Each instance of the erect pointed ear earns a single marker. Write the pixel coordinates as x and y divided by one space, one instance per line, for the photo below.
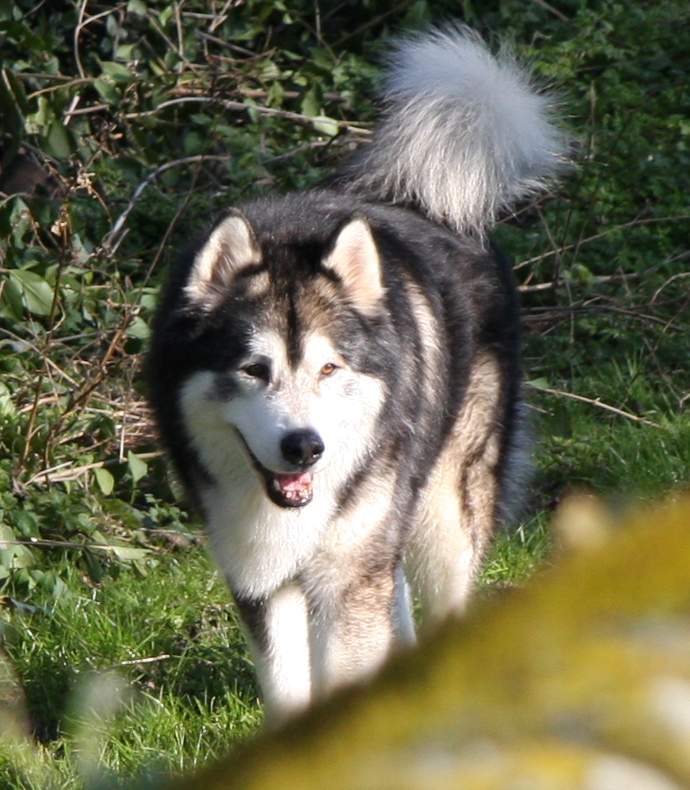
230 247
355 259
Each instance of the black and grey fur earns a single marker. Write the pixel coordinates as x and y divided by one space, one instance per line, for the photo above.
337 378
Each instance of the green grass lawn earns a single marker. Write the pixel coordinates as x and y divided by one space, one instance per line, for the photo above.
90 700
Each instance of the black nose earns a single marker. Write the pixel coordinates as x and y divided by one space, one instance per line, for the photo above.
302 448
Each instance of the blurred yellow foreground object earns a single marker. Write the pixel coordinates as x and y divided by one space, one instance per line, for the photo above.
579 680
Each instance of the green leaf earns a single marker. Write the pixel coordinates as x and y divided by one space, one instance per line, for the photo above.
310 103
107 90
12 300
268 70
136 7
579 273
125 52
17 556
105 480
137 467
39 121
6 533
7 405
326 125
130 552
98 537
36 293
322 58
275 95
165 15
116 71
193 143
20 221
139 329
141 567
58 141
25 522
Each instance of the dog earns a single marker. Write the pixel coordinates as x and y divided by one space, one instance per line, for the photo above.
335 373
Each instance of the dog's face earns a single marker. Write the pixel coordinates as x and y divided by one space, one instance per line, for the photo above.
291 389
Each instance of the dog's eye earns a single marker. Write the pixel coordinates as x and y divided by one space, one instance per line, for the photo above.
257 370
328 369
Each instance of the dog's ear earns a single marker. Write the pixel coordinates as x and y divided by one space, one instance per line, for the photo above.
230 247
353 257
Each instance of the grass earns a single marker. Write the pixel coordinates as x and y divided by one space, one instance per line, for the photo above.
146 673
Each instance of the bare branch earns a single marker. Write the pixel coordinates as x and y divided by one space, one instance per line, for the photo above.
598 403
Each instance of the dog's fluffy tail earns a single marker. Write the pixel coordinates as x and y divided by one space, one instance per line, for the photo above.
464 133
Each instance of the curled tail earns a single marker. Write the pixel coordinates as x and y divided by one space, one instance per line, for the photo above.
464 133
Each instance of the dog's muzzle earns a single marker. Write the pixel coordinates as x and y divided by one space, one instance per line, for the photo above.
291 489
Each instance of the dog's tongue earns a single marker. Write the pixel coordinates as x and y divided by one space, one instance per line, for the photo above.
294 490
298 483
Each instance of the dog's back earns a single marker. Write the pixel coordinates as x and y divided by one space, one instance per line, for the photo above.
336 372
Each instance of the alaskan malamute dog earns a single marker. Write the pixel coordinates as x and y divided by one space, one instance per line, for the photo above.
336 373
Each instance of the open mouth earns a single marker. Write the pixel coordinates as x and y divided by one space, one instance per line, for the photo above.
289 490
285 489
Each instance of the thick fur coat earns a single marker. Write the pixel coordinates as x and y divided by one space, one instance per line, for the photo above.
335 373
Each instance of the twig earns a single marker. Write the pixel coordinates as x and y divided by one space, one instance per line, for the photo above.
77 32
111 240
597 402
180 37
671 279
171 225
75 472
150 660
597 279
193 67
566 247
59 86
221 16
81 24
72 111
313 145
32 347
371 23
556 275
234 47
572 309
63 225
238 106
89 387
558 14
42 543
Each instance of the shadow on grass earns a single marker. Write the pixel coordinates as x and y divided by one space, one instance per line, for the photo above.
193 653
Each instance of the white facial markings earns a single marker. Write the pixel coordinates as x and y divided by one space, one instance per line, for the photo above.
218 446
321 393
269 346
318 353
258 544
310 396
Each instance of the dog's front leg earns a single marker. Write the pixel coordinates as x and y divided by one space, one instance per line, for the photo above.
279 641
354 626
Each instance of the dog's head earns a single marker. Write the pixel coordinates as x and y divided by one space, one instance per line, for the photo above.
289 326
